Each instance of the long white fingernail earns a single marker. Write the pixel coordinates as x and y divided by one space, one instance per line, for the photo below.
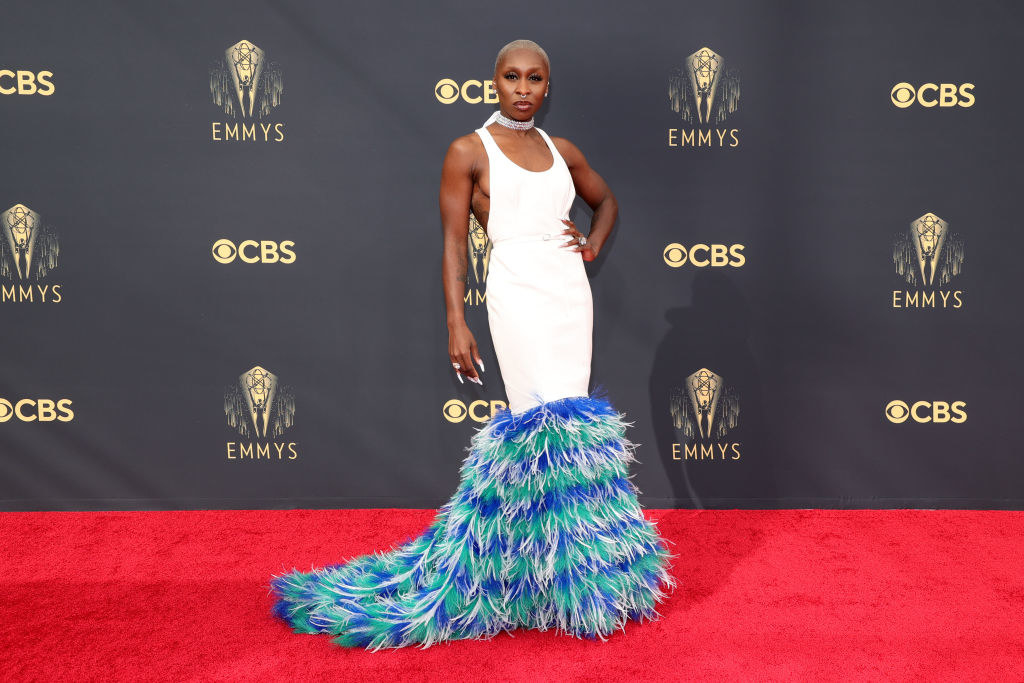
459 375
481 364
477 380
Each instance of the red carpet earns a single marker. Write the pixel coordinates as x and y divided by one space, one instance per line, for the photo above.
790 594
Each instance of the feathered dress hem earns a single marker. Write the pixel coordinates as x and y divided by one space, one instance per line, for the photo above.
543 532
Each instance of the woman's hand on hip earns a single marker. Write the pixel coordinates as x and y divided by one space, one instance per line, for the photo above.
578 242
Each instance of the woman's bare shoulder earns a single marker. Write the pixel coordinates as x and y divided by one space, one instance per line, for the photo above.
570 152
469 145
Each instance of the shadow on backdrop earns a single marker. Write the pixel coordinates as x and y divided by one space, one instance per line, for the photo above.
707 401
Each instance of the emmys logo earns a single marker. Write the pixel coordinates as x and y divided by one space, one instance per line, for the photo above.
923 412
28 252
246 86
704 409
448 91
704 93
23 82
703 255
251 251
928 256
456 410
36 410
930 95
479 246
260 409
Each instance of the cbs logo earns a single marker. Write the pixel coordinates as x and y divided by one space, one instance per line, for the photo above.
251 251
457 411
448 91
939 412
929 95
702 255
42 409
25 82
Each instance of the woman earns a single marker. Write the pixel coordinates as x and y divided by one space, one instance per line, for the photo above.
544 530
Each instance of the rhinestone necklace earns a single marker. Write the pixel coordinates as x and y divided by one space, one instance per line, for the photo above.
512 123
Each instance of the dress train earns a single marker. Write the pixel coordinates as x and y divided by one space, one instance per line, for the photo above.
544 531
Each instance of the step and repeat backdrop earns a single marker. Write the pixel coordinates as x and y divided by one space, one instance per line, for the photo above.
220 260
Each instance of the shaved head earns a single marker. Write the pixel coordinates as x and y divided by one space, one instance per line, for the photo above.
522 44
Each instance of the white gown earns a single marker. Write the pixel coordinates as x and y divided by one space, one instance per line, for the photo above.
539 303
544 530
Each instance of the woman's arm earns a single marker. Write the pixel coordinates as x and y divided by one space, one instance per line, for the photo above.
595 192
456 193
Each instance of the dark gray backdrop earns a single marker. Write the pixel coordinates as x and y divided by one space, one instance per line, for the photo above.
120 164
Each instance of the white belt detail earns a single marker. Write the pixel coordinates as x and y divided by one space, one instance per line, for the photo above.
533 238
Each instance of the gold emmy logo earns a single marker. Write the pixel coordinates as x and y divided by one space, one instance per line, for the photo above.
29 250
928 256
257 406
245 85
703 92
705 407
479 247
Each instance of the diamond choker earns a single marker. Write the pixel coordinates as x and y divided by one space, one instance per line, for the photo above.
512 123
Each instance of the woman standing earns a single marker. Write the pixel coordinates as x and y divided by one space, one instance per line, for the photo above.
544 530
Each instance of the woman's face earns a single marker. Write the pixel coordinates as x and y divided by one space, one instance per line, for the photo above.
521 81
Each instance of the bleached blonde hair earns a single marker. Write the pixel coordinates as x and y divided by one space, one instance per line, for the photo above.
518 44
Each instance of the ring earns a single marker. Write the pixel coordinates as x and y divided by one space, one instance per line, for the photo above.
583 241
456 366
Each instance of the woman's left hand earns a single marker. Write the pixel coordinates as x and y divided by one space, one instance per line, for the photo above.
589 250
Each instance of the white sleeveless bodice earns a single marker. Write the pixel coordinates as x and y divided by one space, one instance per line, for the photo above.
527 203
539 304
